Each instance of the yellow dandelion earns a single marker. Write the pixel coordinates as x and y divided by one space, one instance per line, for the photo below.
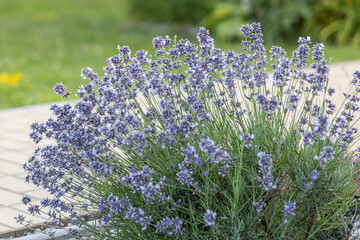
15 78
4 78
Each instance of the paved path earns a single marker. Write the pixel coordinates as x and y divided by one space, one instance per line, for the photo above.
16 147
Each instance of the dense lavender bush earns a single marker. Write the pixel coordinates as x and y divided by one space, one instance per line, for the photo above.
200 143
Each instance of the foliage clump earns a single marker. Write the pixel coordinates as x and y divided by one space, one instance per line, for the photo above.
200 143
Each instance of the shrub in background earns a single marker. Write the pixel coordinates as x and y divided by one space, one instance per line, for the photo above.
186 11
336 21
200 143
281 19
333 21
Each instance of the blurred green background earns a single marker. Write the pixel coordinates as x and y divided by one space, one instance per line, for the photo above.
43 42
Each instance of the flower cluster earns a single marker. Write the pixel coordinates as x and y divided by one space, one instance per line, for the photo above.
313 176
289 208
209 217
247 139
157 140
266 179
170 226
325 156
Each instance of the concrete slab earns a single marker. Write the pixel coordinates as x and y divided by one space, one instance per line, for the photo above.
9 168
9 198
16 157
13 184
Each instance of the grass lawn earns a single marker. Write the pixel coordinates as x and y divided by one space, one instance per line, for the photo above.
46 42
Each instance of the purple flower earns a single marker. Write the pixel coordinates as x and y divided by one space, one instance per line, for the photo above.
307 139
314 175
59 89
205 174
259 206
251 31
20 218
185 175
266 180
320 125
268 105
293 100
34 209
169 226
331 91
209 217
326 155
302 52
247 138
135 214
308 185
124 51
206 42
26 199
289 208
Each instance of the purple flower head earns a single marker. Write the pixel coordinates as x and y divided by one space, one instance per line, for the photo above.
308 138
277 53
320 125
209 147
356 80
124 51
135 214
26 200
318 52
190 152
326 155
293 100
137 179
289 208
60 89
314 175
259 206
247 138
206 42
308 185
150 191
20 218
169 225
268 105
302 52
34 209
251 31
331 91
205 174
267 180
185 176
146 222
159 42
209 217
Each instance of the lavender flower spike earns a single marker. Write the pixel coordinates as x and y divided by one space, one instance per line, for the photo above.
209 217
326 155
289 208
247 138
267 180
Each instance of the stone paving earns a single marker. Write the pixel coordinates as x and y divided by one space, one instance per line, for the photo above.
16 147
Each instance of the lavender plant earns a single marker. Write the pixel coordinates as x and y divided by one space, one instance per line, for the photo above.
199 143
